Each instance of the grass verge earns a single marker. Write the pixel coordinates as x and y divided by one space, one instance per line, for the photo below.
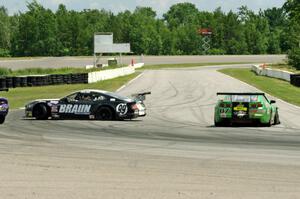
276 87
285 67
188 65
18 97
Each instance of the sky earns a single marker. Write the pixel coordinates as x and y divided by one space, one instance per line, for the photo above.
160 6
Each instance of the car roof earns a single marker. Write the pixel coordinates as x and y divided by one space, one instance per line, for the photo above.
111 94
93 91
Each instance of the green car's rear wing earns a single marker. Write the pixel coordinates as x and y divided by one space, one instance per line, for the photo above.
241 94
245 94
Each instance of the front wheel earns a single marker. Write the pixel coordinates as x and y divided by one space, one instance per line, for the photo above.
104 113
2 119
40 112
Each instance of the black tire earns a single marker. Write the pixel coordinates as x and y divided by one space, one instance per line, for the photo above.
40 112
2 119
276 119
104 113
218 124
269 124
222 124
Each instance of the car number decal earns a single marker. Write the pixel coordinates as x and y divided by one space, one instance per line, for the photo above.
224 110
122 109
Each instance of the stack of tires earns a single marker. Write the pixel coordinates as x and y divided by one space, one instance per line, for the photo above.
295 80
43 80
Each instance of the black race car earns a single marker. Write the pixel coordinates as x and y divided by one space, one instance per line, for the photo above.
88 104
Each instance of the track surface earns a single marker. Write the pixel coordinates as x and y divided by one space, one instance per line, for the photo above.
56 62
174 152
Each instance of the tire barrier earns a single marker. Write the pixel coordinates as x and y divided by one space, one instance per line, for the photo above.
295 80
3 83
16 82
43 80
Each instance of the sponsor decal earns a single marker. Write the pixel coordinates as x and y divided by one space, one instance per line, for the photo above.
75 108
240 107
54 109
224 110
122 109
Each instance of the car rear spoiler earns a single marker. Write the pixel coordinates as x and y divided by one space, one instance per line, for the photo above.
4 89
140 96
241 94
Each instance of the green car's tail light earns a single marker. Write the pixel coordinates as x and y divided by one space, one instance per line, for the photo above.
256 105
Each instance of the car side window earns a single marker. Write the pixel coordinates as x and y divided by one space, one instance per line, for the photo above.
86 97
73 97
99 97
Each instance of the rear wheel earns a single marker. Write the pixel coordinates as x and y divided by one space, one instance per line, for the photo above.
2 119
276 120
223 123
104 113
40 112
218 124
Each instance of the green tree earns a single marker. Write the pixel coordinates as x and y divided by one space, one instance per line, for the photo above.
143 33
293 9
5 33
37 31
234 37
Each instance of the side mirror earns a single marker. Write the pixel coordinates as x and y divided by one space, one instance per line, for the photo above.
272 102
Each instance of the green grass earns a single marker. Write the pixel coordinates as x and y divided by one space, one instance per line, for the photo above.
276 87
18 97
188 65
285 67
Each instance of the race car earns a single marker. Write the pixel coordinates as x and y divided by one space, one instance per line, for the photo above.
245 108
3 107
88 104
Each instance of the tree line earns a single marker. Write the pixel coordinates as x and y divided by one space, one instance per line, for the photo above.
41 32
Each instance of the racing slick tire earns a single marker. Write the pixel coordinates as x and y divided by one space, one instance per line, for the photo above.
104 113
218 124
276 119
2 119
222 124
40 112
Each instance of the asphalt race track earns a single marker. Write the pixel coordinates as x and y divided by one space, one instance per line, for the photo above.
174 152
58 62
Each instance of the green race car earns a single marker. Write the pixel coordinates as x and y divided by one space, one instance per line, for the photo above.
245 108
